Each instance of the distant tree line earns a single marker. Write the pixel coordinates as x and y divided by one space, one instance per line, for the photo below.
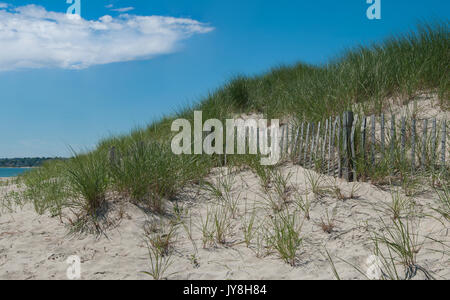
25 162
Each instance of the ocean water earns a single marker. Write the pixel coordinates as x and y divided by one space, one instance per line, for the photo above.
12 172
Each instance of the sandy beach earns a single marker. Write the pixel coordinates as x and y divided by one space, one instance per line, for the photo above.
36 247
225 142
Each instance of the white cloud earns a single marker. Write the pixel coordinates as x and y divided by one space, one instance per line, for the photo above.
124 9
32 37
3 5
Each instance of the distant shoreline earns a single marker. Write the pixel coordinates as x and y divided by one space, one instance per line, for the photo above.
18 167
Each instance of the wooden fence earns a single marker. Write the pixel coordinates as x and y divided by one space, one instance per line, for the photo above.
348 145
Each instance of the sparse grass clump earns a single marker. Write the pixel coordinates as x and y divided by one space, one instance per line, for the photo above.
281 185
264 173
249 228
304 205
215 226
397 246
285 236
222 224
315 182
47 187
399 205
159 264
162 239
443 201
222 191
328 223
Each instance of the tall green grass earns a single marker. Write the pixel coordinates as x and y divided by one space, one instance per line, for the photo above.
149 173
87 177
145 170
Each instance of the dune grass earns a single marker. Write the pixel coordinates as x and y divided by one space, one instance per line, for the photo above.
285 236
144 170
87 175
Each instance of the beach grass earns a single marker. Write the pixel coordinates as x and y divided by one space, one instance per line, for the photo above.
144 170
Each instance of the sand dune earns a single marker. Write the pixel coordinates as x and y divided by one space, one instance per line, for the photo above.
36 247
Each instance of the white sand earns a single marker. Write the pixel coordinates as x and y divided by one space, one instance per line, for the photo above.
36 247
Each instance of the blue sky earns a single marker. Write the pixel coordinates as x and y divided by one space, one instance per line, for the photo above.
49 103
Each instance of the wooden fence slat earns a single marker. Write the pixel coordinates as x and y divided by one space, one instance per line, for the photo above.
413 145
443 143
318 137
433 143
363 137
347 124
257 138
393 138
403 139
294 145
289 138
311 150
333 145
330 138
344 150
286 145
338 147
324 141
282 140
300 145
306 145
424 143
316 146
372 151
353 149
382 135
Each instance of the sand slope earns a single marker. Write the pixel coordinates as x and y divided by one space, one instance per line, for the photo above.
36 247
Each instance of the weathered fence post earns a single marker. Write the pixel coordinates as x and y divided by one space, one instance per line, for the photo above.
282 140
300 144
393 138
363 137
443 143
306 144
312 146
112 155
372 151
382 135
347 153
324 142
329 146
316 146
289 139
403 139
286 146
413 145
333 145
424 143
338 147
433 143
353 149
294 145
